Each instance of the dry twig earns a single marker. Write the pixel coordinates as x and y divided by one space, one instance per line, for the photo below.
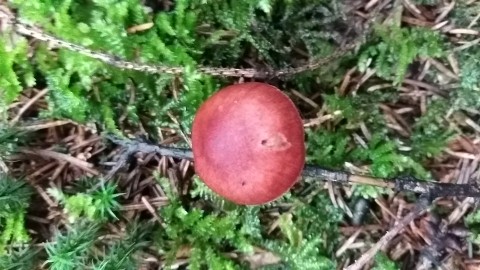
404 183
419 209
31 31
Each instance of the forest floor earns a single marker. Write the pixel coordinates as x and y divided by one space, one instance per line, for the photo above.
396 94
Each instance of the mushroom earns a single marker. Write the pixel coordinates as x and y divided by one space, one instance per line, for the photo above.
248 143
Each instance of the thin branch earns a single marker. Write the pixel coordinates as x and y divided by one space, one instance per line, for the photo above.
31 31
420 207
403 183
132 147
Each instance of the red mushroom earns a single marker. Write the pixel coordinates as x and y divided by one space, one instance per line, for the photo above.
248 143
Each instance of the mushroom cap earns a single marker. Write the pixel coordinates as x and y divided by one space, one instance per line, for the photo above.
248 143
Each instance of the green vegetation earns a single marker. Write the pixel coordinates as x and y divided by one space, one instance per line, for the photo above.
99 204
14 198
302 228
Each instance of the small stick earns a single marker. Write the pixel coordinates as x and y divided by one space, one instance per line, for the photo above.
27 30
404 183
28 105
131 147
420 207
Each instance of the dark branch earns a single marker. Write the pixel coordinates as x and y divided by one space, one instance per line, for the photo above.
131 147
432 189
437 189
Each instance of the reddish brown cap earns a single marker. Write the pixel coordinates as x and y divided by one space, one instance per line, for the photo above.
248 143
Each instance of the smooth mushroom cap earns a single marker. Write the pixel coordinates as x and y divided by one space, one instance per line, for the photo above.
248 143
